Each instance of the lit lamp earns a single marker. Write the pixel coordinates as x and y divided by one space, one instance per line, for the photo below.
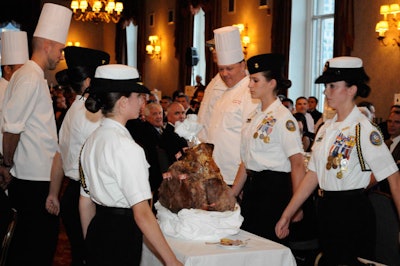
383 26
101 10
154 48
73 43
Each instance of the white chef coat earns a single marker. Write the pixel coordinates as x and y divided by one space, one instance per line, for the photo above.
212 94
3 87
230 113
28 111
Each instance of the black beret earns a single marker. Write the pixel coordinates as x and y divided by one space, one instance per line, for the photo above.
86 57
266 62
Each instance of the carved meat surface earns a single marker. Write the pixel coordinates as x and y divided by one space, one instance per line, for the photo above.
195 182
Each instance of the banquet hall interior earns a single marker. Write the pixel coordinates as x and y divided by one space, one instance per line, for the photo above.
167 41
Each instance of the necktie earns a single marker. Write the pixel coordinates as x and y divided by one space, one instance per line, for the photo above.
388 142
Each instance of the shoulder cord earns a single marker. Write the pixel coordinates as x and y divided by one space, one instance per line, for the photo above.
359 152
81 174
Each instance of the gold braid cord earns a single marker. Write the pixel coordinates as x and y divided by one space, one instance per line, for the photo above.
81 174
359 152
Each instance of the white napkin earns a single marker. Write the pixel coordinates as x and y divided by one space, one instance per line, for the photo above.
195 224
189 129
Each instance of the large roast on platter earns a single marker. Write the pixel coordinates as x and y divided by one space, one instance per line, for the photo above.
195 182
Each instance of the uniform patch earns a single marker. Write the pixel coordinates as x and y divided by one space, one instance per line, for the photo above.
375 138
290 125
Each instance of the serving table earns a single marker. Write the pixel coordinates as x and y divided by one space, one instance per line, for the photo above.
256 251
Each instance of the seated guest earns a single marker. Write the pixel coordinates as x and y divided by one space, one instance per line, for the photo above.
302 107
148 135
184 100
306 137
312 109
165 102
288 103
172 143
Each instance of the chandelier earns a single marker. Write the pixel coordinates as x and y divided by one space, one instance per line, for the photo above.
97 10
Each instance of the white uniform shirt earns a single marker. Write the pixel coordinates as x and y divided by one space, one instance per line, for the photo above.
77 125
230 113
212 93
28 111
3 87
283 139
376 155
310 122
115 167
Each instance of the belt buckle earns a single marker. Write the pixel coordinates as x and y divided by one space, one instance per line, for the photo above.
321 193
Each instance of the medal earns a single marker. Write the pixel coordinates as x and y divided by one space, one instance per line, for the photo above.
344 164
339 175
266 139
261 136
336 161
328 166
255 135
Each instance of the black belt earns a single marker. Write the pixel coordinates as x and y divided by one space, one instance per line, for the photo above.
103 210
340 194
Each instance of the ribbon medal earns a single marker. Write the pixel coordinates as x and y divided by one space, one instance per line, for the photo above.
339 154
264 129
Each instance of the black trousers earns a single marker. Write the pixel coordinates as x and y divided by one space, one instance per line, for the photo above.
72 222
113 238
265 194
346 227
36 233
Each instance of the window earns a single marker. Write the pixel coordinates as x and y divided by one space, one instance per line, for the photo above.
131 44
199 43
311 46
322 48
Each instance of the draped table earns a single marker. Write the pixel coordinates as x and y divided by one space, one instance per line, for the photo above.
257 251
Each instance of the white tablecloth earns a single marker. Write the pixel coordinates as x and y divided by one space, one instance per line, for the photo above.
258 251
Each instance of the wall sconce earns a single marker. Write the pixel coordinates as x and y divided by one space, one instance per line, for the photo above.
385 25
73 43
243 29
154 48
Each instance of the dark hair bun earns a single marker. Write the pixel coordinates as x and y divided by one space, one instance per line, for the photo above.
93 103
285 84
363 90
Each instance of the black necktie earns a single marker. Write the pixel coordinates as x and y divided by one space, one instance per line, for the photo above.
388 142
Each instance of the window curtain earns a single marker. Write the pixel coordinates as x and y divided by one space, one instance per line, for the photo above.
185 11
23 13
281 27
212 21
134 11
343 28
183 40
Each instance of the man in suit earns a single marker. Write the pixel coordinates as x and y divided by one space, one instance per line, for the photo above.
148 135
393 127
173 144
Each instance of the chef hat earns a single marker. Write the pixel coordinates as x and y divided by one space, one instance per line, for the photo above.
117 78
53 23
14 48
228 45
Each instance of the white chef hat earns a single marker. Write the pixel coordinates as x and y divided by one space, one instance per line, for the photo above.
14 48
228 45
54 23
